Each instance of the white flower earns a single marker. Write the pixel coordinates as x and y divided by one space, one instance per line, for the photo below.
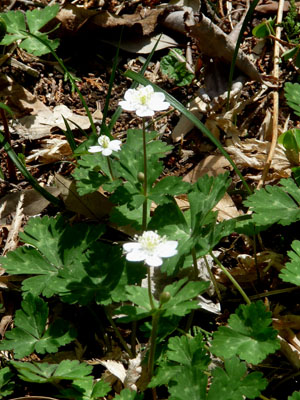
151 248
144 101
106 146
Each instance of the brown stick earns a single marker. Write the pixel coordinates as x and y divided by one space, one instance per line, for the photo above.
10 165
275 98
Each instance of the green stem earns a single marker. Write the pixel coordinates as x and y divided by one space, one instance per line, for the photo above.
231 278
119 336
192 313
149 292
110 168
213 279
155 319
145 211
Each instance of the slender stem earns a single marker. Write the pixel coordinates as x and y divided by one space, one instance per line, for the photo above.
192 313
195 264
11 169
119 336
149 291
155 319
133 338
231 278
110 169
213 279
145 212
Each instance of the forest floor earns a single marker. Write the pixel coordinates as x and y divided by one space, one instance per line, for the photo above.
89 33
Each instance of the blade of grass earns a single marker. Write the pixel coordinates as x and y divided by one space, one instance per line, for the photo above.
103 128
176 104
21 167
69 135
237 46
118 111
71 79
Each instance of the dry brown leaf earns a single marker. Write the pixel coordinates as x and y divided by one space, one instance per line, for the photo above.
270 6
53 149
290 352
252 153
72 18
19 99
213 42
212 165
34 202
93 205
143 45
287 321
40 125
13 235
127 377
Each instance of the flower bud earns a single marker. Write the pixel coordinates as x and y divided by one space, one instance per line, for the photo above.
164 297
141 177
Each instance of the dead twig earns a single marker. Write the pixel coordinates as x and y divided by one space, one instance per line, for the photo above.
275 97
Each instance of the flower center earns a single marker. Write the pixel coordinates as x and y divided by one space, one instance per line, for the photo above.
150 240
104 141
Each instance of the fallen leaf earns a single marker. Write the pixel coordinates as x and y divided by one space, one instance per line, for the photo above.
33 204
93 205
252 153
13 235
39 125
56 148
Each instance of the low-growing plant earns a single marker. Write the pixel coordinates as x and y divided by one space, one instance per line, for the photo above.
174 65
93 267
19 28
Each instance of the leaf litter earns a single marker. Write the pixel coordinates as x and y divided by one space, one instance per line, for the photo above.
37 116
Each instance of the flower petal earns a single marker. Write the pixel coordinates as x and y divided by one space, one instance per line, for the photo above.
153 261
106 152
115 145
95 149
129 94
131 246
136 255
144 111
126 105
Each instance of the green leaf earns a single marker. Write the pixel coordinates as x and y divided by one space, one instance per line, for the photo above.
127 394
183 372
249 334
95 280
292 93
294 396
181 302
276 204
174 66
36 19
206 194
56 247
85 389
169 186
291 139
234 383
264 29
39 17
188 351
92 170
291 272
139 296
30 333
190 384
6 383
52 373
